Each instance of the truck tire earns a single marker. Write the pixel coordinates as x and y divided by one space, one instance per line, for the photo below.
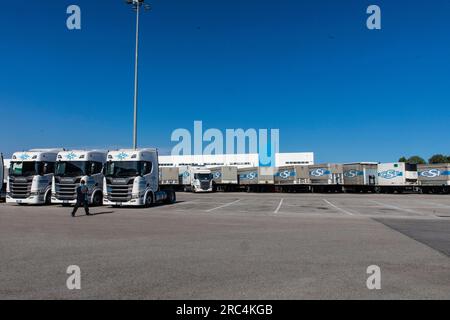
171 197
97 201
148 200
48 198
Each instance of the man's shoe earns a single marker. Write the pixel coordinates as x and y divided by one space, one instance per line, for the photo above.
73 214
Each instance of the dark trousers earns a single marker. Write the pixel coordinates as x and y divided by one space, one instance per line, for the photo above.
79 204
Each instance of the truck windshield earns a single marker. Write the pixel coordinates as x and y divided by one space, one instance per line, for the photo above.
71 168
122 169
25 169
203 176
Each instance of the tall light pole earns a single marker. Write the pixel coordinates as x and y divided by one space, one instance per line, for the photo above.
136 6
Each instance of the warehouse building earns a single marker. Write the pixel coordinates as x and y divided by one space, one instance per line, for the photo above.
238 160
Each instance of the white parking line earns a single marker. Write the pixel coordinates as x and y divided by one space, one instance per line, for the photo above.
390 206
223 206
340 209
279 206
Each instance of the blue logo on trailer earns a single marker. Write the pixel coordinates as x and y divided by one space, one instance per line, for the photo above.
24 156
122 156
390 174
249 176
71 156
433 173
319 172
286 174
217 175
353 173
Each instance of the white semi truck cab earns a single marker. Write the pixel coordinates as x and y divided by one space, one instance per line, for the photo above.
196 179
74 166
132 179
30 176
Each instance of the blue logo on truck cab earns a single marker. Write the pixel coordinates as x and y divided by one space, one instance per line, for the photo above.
24 156
71 156
122 156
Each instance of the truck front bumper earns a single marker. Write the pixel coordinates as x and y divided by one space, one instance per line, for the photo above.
57 201
33 199
132 203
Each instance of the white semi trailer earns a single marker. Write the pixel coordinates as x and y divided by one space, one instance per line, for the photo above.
132 179
434 178
196 179
225 178
74 166
397 177
30 176
2 178
257 179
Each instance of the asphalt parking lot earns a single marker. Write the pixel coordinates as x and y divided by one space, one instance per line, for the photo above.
232 246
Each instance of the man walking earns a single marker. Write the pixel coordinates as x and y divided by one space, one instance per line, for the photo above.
82 198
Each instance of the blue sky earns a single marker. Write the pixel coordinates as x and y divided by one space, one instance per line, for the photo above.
310 68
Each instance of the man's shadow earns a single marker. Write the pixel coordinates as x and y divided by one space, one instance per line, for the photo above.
101 213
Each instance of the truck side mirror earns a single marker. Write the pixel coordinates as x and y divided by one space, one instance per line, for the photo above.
44 169
92 169
144 169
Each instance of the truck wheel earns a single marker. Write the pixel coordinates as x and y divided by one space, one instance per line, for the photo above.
148 200
171 197
48 198
98 199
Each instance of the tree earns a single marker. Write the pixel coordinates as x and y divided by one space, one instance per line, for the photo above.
403 159
416 160
438 158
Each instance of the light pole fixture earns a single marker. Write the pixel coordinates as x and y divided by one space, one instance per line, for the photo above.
137 4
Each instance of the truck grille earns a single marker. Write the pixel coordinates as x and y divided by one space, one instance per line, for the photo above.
66 191
119 193
205 185
20 190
